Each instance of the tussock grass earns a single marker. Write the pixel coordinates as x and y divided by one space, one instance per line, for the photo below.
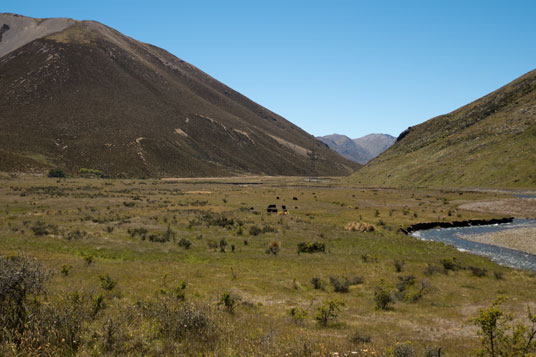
156 279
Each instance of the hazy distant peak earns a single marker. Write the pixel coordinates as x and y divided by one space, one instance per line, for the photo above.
376 143
360 150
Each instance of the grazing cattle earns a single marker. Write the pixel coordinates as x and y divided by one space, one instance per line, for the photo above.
295 198
271 208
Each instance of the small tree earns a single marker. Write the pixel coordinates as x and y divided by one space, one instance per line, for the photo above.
382 297
328 311
495 337
491 324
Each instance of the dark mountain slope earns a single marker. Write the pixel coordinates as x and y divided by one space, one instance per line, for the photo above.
90 97
489 142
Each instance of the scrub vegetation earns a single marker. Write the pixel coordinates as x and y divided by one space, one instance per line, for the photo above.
96 266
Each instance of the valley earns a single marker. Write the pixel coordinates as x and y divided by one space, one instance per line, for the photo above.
142 247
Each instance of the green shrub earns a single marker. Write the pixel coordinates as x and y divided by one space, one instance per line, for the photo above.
223 244
212 244
367 258
382 297
91 172
478 272
40 228
297 315
254 231
65 269
56 173
342 284
229 301
180 292
357 338
450 264
500 338
89 259
311 247
402 350
399 265
107 283
141 232
20 278
327 312
185 243
268 229
318 283
98 304
433 269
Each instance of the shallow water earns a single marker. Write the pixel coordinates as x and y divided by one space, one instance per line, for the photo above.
500 255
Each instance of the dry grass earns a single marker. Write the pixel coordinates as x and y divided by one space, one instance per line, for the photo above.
269 285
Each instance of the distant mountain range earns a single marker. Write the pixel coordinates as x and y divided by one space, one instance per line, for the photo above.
79 94
489 142
360 150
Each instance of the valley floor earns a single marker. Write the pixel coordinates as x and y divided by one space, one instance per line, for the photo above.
198 266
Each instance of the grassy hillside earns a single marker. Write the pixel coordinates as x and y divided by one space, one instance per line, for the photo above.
490 142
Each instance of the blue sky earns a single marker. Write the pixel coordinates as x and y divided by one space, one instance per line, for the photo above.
349 67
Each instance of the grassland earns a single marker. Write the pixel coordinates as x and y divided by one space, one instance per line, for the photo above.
98 227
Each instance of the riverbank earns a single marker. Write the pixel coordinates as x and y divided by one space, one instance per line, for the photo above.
523 239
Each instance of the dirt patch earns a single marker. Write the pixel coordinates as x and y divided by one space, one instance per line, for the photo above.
518 207
523 239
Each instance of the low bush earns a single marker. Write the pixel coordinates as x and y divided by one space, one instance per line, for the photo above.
268 229
399 265
20 279
91 172
297 315
433 269
357 338
40 228
450 264
382 297
340 285
478 272
229 301
318 283
402 350
107 283
185 243
254 231
311 247
328 312
56 173
141 232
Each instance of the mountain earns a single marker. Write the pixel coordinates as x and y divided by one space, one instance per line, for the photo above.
360 150
79 94
489 142
375 144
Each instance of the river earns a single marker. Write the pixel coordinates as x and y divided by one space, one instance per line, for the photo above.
500 255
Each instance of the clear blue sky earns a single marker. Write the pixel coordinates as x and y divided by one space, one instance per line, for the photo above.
351 67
